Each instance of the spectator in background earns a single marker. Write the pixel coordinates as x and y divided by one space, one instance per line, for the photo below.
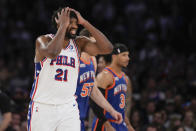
189 122
103 61
136 120
16 121
192 105
158 121
150 110
156 30
151 127
5 108
24 126
178 128
174 122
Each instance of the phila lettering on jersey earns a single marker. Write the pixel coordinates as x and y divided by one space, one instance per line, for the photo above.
56 79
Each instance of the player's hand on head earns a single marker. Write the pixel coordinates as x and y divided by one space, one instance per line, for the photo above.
63 17
117 116
81 20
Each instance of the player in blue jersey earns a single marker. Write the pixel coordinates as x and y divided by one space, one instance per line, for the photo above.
86 87
114 84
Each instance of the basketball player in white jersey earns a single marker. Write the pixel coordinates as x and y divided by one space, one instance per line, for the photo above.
53 106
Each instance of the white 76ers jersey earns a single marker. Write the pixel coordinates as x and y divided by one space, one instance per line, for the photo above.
56 79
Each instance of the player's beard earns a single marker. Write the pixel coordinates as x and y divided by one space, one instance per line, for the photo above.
69 35
121 64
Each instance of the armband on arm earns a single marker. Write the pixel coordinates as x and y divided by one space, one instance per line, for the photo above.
98 111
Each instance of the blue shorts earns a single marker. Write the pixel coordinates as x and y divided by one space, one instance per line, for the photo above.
98 125
82 126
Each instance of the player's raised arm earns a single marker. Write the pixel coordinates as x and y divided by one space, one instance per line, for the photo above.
101 46
48 47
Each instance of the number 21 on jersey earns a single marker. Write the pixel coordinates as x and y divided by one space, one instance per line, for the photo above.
61 75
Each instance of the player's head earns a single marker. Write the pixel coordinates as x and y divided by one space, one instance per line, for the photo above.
103 61
73 26
120 55
85 32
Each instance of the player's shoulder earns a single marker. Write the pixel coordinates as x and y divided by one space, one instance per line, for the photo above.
44 38
105 75
105 79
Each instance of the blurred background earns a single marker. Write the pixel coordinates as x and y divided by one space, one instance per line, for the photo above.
161 35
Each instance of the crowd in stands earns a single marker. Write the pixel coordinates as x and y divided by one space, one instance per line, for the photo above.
160 35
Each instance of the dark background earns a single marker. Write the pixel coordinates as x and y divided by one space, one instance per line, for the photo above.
160 35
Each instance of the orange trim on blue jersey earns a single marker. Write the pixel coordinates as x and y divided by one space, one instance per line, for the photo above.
106 97
110 87
104 112
102 129
96 124
120 76
85 62
111 120
95 69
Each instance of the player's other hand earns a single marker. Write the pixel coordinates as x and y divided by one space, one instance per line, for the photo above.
117 116
63 17
81 20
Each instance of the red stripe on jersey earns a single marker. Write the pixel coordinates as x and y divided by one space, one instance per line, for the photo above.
77 54
35 87
42 62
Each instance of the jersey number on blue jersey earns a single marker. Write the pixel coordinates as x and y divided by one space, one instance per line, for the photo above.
61 75
86 89
122 101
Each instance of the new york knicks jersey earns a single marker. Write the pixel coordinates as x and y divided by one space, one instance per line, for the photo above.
116 94
56 79
84 86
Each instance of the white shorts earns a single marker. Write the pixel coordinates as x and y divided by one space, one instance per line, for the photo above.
47 117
